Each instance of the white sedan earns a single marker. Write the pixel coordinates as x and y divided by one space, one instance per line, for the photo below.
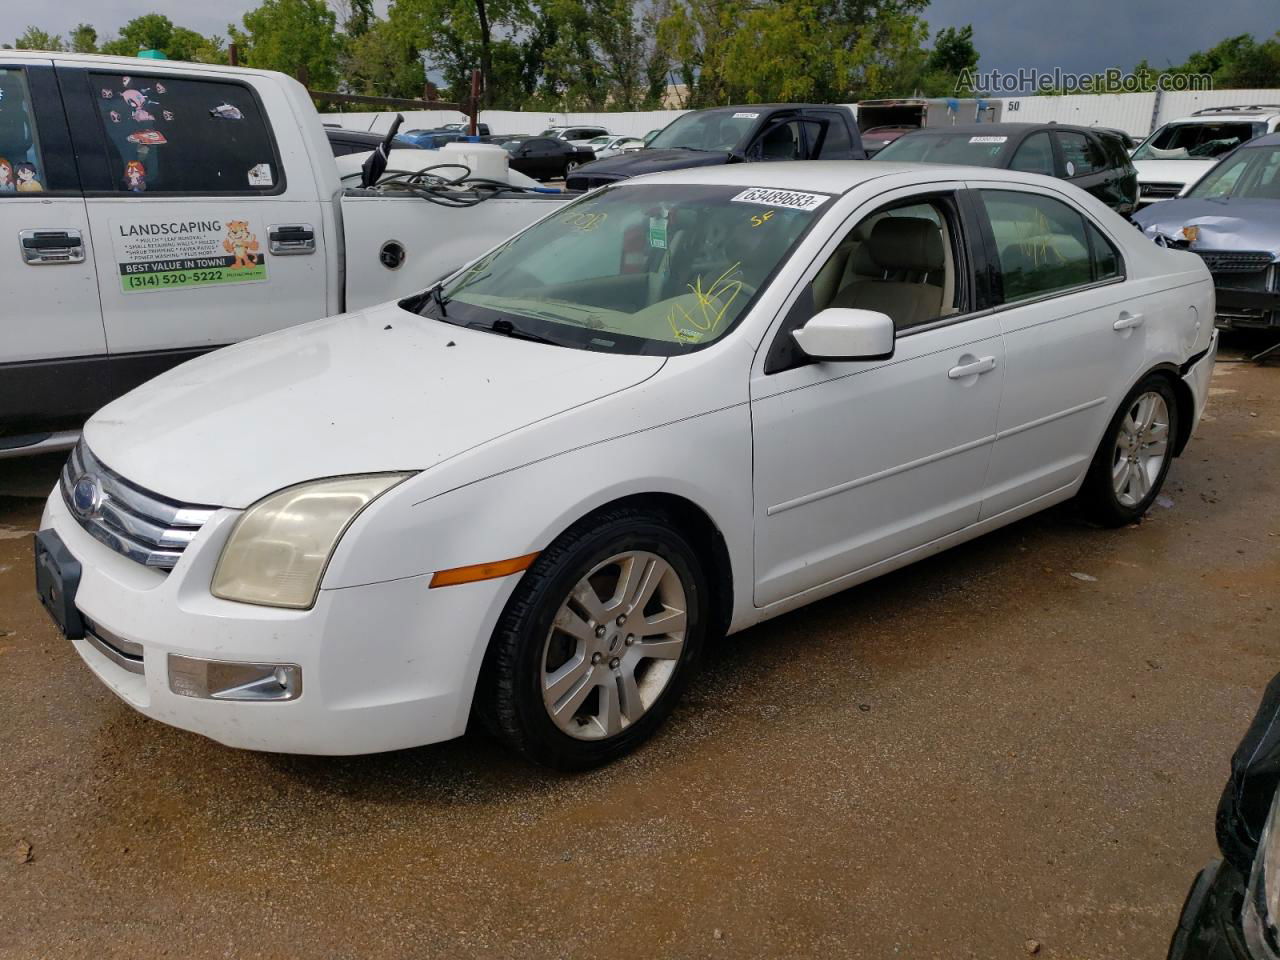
611 146
675 408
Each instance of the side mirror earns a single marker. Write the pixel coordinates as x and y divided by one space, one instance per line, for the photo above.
838 333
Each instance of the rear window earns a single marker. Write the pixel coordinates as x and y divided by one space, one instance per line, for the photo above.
1197 141
977 149
21 166
175 135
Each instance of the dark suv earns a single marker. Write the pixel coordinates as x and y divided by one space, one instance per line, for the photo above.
705 138
1093 159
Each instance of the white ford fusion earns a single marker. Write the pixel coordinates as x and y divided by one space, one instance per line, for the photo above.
678 407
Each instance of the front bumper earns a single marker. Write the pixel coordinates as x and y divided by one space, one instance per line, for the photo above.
1247 309
383 666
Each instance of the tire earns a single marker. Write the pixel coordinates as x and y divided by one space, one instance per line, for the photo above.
571 166
532 653
1133 458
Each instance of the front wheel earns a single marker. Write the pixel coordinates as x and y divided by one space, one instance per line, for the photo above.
597 642
571 166
1130 465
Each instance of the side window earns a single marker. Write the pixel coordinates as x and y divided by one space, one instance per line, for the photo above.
1040 243
1034 155
901 261
782 142
1106 259
175 135
898 261
1080 155
21 163
838 143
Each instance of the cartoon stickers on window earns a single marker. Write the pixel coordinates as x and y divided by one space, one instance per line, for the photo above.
135 176
27 178
226 111
20 177
135 105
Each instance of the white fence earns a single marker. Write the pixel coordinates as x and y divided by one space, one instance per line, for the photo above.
1135 113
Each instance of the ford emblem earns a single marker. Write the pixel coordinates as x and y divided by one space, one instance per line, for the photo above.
86 495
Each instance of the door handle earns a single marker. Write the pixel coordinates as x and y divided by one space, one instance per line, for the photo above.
972 369
288 240
1128 321
45 247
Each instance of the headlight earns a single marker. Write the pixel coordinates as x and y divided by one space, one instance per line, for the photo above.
1262 901
280 546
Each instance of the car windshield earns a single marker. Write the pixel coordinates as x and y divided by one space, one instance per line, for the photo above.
715 130
1196 141
1249 174
636 268
974 149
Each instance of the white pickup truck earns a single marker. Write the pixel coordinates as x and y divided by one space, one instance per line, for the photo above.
160 210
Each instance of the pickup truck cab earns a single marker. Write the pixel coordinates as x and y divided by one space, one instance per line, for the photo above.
706 138
164 209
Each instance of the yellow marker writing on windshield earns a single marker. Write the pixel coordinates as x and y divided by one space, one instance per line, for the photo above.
760 218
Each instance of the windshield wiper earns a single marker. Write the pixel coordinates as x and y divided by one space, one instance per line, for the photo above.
437 296
506 328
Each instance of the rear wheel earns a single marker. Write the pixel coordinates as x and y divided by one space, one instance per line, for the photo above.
1130 465
597 641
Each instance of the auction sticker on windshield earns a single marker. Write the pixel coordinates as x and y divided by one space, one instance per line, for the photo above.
157 255
790 199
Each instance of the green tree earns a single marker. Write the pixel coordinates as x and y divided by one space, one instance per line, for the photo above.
84 39
458 36
151 31
1239 62
952 57
382 62
290 36
33 38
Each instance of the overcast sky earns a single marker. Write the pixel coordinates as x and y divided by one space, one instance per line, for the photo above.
1081 36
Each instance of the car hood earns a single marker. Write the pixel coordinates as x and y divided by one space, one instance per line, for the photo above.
652 161
1231 224
380 390
1172 171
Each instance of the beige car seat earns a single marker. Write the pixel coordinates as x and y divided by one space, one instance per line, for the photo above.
901 248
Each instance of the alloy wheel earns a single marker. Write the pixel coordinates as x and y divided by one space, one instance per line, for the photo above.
614 645
1142 446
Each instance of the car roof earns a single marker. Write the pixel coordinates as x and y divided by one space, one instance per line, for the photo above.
974 129
829 176
1228 116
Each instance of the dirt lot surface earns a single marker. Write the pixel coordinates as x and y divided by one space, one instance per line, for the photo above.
975 752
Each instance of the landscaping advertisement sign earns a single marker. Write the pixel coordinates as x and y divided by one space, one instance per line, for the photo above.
173 255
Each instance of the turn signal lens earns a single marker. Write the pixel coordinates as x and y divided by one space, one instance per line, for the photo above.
482 571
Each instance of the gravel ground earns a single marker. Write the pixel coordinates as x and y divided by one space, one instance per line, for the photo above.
976 752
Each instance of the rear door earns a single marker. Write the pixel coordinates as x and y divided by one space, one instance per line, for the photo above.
51 323
1085 164
206 220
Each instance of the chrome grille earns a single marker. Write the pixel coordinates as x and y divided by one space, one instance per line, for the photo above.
1160 191
1232 261
145 527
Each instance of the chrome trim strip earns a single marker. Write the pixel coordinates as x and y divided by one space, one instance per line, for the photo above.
871 478
124 657
145 527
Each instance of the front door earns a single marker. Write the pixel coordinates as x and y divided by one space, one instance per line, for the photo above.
858 462
206 222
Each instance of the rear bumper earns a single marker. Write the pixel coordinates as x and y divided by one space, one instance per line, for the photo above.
1197 377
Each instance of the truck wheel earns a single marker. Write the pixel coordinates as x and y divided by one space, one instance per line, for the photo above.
1133 459
597 642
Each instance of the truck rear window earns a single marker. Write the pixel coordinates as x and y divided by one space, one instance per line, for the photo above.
168 134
